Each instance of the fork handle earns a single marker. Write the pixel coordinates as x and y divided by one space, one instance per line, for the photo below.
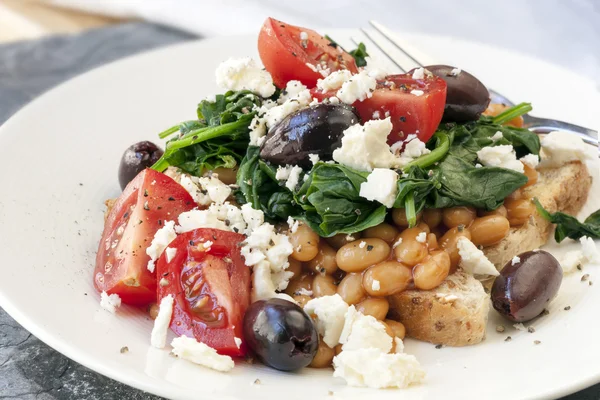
543 125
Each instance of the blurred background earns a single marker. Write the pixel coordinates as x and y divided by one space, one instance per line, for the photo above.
45 42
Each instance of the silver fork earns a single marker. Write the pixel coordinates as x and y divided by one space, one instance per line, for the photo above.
534 124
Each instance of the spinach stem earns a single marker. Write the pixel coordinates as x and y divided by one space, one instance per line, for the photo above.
168 132
513 112
441 148
409 209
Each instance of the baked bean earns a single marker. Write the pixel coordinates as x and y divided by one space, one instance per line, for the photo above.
450 239
298 283
456 216
389 277
295 267
408 250
397 328
338 349
518 211
324 356
301 299
390 333
423 227
516 195
432 243
226 175
432 217
489 230
342 239
324 262
323 285
432 272
531 174
351 289
153 310
383 231
305 243
496 109
361 254
399 217
376 307
498 211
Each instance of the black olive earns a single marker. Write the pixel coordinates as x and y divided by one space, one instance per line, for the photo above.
281 334
466 96
135 159
524 288
314 130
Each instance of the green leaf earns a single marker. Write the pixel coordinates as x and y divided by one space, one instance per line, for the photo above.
569 226
359 54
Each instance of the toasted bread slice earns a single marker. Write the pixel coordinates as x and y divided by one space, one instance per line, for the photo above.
563 189
429 316
454 314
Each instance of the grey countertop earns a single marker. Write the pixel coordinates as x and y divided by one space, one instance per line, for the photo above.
29 369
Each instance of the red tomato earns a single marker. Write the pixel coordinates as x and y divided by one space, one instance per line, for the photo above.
211 288
121 263
285 55
410 114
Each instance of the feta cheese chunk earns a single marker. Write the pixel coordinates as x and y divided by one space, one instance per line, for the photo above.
334 81
199 353
419 73
515 260
244 74
371 368
502 156
422 237
158 337
293 178
258 131
314 158
359 87
110 302
170 253
217 190
417 92
589 250
497 136
531 160
559 148
381 186
191 185
161 240
414 147
365 147
570 261
374 68
367 333
472 260
330 312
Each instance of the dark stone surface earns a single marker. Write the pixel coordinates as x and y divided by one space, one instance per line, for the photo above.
29 369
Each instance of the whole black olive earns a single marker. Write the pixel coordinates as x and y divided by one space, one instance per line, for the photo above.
525 287
314 130
281 334
136 158
466 96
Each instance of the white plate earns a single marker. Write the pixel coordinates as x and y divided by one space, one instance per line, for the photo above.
60 157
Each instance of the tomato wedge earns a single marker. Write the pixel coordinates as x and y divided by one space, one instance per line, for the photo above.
285 51
149 200
211 287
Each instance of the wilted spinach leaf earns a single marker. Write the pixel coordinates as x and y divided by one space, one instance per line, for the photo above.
569 226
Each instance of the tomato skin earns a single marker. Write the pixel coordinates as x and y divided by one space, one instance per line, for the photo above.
283 55
410 114
218 272
121 261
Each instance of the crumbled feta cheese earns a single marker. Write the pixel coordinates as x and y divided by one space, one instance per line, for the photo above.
283 173
397 243
455 71
372 368
258 130
151 266
414 148
362 244
238 342
293 224
110 302
333 100
161 240
478 165
195 219
381 186
366 332
330 312
561 147
244 74
295 91
376 115
571 260
217 190
254 218
305 292
373 68
422 237
472 260
419 73
294 178
207 244
365 147
417 92
170 253
359 87
376 285
589 250
303 36
190 184
158 337
515 260
520 327
199 353
273 115
502 156
314 158
497 136
531 160
334 81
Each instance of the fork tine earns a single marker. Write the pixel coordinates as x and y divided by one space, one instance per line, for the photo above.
382 30
380 49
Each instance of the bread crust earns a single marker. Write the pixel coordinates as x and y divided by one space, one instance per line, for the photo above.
462 322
